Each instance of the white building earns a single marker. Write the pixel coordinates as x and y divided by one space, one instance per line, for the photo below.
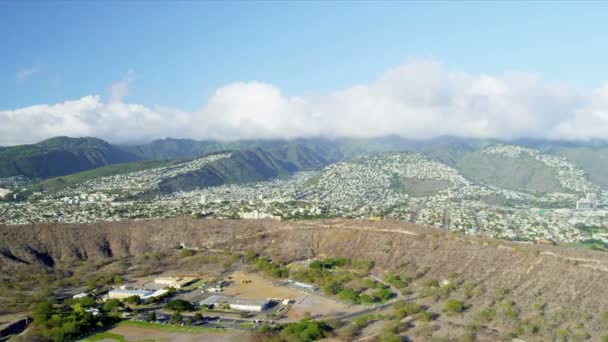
257 215
174 282
4 192
143 294
234 303
588 202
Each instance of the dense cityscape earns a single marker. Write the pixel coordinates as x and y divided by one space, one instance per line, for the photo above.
401 186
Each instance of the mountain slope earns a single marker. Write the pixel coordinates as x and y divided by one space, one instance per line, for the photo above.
519 174
62 182
593 161
59 156
240 167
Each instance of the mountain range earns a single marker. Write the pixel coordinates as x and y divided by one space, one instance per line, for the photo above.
64 160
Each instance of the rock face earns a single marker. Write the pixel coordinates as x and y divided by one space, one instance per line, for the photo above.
555 275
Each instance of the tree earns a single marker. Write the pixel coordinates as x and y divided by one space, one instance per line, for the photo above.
176 318
87 301
179 305
111 305
151 316
134 300
43 312
198 316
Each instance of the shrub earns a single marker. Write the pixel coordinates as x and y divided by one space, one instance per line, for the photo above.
186 252
405 309
151 316
117 279
453 306
249 256
396 281
362 265
431 283
487 315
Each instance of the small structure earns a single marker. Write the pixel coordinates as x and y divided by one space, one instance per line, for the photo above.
175 282
234 303
80 295
93 311
303 286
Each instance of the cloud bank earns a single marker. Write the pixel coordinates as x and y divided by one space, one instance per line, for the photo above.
419 99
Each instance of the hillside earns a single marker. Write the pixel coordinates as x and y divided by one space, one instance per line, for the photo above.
520 174
59 156
63 156
62 182
555 287
240 167
593 161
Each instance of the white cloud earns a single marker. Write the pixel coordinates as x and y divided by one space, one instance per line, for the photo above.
25 74
419 99
119 90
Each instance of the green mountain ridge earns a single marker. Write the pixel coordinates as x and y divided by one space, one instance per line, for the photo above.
241 167
59 156
62 156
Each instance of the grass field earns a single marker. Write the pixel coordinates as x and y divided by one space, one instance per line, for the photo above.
105 336
168 327
132 331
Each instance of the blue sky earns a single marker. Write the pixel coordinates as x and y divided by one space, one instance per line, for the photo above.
180 54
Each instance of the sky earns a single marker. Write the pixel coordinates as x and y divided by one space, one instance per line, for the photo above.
137 71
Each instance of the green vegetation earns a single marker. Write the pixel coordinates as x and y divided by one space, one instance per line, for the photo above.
521 173
105 336
268 267
418 187
594 161
151 316
168 327
133 300
396 281
453 306
112 305
593 244
59 183
179 305
240 167
184 253
59 156
329 263
65 322
404 309
335 277
304 330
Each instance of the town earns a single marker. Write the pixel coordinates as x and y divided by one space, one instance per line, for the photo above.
400 186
